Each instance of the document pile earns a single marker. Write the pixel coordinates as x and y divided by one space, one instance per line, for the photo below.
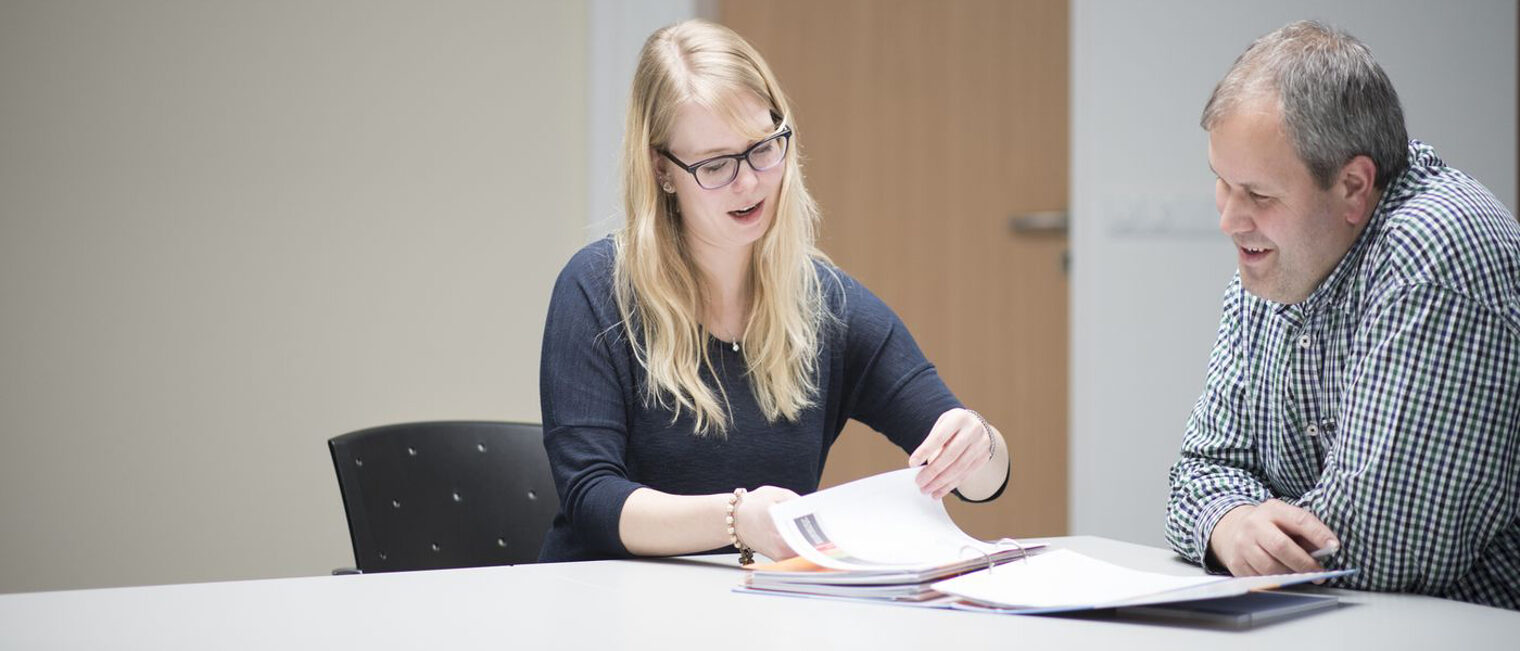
875 538
880 539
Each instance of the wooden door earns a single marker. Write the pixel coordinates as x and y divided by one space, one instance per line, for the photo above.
925 125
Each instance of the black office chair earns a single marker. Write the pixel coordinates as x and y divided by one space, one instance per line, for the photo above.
444 494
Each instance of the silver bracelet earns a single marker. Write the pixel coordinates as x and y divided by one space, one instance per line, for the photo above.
991 447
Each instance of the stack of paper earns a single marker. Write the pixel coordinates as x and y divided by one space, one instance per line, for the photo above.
881 539
876 538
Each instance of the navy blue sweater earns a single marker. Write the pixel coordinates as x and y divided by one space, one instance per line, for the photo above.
604 442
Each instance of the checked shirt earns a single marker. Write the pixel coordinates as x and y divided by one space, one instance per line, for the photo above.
1387 403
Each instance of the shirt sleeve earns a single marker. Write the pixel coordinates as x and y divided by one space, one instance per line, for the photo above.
582 393
1426 470
891 386
1218 468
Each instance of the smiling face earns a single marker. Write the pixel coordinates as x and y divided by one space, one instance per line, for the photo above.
732 218
1288 232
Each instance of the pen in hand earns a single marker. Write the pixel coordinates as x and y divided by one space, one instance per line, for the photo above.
1324 552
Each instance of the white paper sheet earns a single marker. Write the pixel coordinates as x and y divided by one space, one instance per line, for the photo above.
881 522
1065 580
1062 577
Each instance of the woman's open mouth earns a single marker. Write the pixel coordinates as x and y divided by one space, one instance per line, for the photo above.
747 213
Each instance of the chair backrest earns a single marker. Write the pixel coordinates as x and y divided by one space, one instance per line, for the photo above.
445 494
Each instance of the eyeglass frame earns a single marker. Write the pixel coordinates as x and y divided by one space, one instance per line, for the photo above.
741 157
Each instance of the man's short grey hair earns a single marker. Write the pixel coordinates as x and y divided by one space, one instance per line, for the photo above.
1335 100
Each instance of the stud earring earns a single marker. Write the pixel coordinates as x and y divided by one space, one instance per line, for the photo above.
668 188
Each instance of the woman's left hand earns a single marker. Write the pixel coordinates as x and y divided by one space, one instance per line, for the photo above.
956 447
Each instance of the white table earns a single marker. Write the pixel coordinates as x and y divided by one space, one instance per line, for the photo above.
671 604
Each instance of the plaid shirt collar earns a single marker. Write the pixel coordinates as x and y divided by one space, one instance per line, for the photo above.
1333 288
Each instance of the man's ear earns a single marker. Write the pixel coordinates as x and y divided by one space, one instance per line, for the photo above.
1354 188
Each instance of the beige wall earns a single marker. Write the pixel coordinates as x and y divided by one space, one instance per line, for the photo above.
231 230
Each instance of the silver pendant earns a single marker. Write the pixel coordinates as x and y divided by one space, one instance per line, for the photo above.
736 346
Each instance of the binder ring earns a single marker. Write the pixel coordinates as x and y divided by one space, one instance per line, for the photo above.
1023 553
984 555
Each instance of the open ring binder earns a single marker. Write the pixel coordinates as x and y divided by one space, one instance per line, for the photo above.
1023 553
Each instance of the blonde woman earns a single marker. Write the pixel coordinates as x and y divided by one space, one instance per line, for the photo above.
701 361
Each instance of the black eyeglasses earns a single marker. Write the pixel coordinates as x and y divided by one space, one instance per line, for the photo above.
718 171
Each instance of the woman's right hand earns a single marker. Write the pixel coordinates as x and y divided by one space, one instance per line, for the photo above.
753 524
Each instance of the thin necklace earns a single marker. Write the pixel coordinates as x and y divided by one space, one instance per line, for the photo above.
735 342
714 335
740 337
734 345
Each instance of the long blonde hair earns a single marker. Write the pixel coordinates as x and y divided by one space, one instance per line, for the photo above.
660 290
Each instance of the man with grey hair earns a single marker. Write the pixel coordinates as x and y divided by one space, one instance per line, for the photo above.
1362 402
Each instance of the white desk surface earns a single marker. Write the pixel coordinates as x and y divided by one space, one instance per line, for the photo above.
672 604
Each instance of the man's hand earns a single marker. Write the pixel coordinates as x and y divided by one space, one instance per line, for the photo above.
1271 538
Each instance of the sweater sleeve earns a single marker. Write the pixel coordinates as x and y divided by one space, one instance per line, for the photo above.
583 394
889 384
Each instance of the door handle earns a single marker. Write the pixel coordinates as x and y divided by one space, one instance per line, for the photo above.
1048 222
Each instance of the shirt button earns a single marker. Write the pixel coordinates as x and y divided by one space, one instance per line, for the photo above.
1304 341
1312 430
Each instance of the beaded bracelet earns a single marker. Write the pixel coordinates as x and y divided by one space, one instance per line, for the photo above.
746 555
991 447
